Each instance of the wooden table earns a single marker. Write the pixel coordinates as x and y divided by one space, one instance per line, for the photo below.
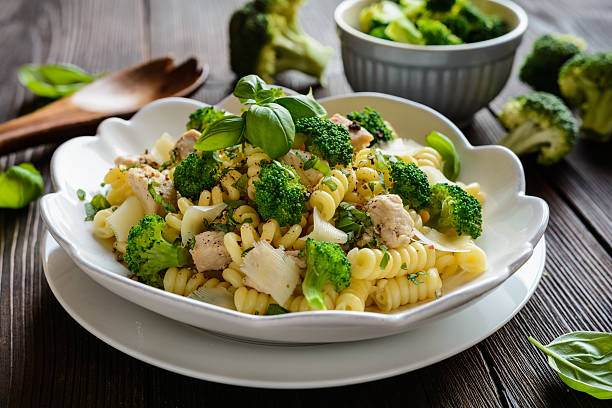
46 358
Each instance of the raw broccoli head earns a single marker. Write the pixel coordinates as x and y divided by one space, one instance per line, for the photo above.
379 14
439 5
200 119
452 208
436 33
148 253
548 54
266 38
371 120
410 183
326 139
586 82
539 121
325 262
197 173
279 194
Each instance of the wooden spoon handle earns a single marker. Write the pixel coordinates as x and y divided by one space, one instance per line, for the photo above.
53 123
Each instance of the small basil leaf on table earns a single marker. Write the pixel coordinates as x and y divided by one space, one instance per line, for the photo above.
270 127
225 132
53 81
251 89
446 148
583 360
301 106
20 185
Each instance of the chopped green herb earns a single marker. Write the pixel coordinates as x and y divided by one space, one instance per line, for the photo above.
97 203
274 309
384 261
159 199
413 277
241 184
246 251
191 243
371 185
81 194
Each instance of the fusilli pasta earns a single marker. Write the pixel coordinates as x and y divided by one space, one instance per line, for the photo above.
390 294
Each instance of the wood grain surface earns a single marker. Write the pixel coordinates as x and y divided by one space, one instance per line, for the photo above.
47 359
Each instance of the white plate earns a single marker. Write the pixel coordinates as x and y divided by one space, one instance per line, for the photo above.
513 222
187 350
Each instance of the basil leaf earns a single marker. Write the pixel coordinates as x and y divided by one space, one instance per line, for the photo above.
446 148
20 185
223 133
301 106
274 309
251 89
583 360
53 81
270 127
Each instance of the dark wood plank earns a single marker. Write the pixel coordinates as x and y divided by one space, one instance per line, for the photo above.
583 178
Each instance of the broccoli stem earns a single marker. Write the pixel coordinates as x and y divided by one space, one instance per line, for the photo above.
521 140
597 115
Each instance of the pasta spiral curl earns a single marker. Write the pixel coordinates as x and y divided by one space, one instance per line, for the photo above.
225 190
251 301
366 262
327 200
174 220
473 189
102 228
473 262
428 156
233 276
273 233
182 281
390 294
300 304
355 296
236 244
120 188
255 156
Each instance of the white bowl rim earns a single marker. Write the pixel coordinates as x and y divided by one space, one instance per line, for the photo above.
453 301
513 34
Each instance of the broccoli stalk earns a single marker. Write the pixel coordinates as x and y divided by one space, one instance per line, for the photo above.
266 38
586 82
148 253
452 208
197 173
201 118
371 120
410 183
279 194
326 139
325 262
539 121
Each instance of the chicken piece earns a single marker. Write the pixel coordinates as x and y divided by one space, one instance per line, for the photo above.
391 222
129 160
139 179
184 145
209 253
360 137
296 158
295 254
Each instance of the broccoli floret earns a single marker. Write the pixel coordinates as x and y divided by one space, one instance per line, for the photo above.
548 54
539 121
452 208
436 33
379 14
402 30
410 183
325 262
279 194
379 32
586 82
371 120
439 5
200 119
266 38
197 173
471 25
326 139
148 253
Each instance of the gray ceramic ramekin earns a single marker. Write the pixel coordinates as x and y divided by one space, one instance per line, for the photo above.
456 80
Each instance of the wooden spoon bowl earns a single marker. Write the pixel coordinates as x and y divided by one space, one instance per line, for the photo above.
119 94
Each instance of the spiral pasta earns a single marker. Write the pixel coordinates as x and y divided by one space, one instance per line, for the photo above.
120 188
182 281
473 189
251 301
473 262
300 304
272 232
354 297
368 263
102 228
325 198
233 276
255 156
390 294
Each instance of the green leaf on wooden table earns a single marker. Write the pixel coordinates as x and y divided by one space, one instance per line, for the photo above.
583 360
53 80
225 132
446 148
20 185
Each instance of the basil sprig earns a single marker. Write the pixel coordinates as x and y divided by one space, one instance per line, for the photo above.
583 360
53 80
446 148
20 185
267 123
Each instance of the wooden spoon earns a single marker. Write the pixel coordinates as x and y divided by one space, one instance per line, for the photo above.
118 94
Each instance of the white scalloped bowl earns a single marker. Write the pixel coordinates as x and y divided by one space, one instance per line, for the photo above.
513 222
